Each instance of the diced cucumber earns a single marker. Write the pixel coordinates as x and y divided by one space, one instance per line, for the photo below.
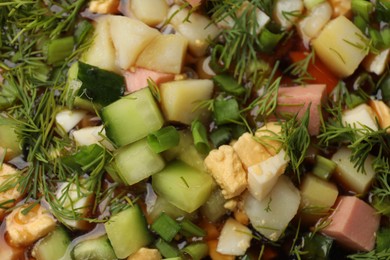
136 161
132 117
53 246
128 231
214 208
182 185
186 151
93 84
9 140
162 205
94 249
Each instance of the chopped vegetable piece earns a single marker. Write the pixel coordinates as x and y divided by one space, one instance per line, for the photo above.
324 167
199 135
139 78
234 239
220 136
226 111
58 50
52 246
196 251
163 139
317 246
185 187
120 226
132 117
167 250
189 229
166 227
228 84
137 161
96 249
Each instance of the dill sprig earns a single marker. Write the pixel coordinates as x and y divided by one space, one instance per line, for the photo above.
240 42
299 69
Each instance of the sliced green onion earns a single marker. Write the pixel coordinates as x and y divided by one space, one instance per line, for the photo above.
384 86
221 136
189 229
59 49
163 139
196 251
226 111
228 84
199 134
362 8
215 61
382 11
166 227
166 250
324 167
268 40
360 23
385 34
82 31
376 38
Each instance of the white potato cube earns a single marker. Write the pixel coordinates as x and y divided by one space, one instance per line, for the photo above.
263 176
129 37
165 53
360 116
349 176
92 135
341 46
377 63
77 199
271 215
180 99
151 12
310 26
287 12
101 53
235 238
24 229
68 119
198 29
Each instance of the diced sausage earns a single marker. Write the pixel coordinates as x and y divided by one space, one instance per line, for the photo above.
353 224
139 78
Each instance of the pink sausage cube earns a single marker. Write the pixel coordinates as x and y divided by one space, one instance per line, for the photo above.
353 224
296 100
139 79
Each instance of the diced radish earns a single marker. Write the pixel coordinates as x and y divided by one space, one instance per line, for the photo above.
139 78
353 224
296 100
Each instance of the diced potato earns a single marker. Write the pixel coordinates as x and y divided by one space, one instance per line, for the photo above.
151 12
310 26
180 99
198 30
77 199
382 112
360 116
317 197
24 229
341 46
263 176
68 119
234 239
287 12
349 176
104 6
8 177
92 135
102 53
377 63
129 37
271 215
165 53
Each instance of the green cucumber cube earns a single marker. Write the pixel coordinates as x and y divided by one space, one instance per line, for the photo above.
137 161
182 185
128 231
132 117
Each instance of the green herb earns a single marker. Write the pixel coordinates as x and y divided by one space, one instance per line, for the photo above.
299 68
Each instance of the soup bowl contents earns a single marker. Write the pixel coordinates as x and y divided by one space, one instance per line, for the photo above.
187 129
